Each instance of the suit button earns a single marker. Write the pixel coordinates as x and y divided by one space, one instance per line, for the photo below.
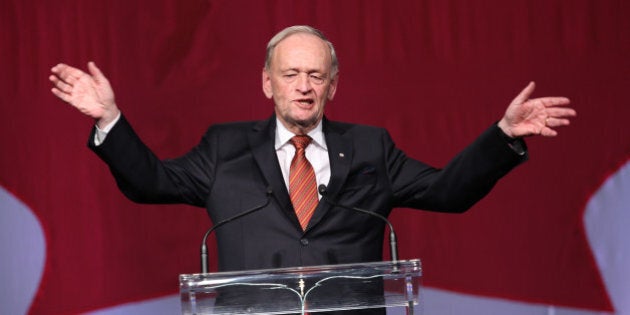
304 241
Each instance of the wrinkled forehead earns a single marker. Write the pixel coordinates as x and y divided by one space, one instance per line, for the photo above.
302 50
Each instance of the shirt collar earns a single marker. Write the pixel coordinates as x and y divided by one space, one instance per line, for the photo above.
283 135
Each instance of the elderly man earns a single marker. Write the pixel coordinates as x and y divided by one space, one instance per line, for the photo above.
292 153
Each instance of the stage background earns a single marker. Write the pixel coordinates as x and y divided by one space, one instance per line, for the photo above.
434 73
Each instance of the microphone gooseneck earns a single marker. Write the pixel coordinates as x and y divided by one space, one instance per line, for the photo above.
204 246
393 245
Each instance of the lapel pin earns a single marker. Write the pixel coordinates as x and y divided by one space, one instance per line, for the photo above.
341 155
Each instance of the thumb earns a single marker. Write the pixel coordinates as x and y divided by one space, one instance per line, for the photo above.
96 72
525 93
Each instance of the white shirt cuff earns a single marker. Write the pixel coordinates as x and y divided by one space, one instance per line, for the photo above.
101 134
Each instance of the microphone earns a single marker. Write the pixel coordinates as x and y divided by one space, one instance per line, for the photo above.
204 247
393 246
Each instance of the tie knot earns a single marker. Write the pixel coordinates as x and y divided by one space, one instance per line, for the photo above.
301 142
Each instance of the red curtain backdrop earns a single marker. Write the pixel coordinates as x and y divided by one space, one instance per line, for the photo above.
435 73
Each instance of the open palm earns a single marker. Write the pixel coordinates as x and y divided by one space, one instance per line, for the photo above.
90 93
537 116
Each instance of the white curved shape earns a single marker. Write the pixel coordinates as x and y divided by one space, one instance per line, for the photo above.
441 302
23 249
607 224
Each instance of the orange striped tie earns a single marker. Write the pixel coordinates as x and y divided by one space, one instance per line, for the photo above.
302 183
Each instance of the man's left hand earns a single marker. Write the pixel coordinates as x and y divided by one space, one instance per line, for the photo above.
537 116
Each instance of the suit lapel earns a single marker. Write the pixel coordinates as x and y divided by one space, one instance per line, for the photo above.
340 154
262 142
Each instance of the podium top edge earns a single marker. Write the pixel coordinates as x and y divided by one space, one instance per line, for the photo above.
412 264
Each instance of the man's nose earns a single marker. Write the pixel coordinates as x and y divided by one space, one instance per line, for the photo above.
303 83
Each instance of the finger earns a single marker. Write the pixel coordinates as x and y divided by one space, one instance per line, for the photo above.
73 76
57 73
553 101
557 122
60 84
60 94
53 78
548 132
525 93
96 73
560 112
58 68
67 73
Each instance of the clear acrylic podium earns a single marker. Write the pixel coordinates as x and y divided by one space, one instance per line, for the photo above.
393 286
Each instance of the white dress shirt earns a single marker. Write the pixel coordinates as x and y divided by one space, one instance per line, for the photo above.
316 153
100 134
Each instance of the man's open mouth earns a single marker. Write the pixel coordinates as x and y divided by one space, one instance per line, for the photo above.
305 101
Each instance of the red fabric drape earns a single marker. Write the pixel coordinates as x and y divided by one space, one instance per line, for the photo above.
435 73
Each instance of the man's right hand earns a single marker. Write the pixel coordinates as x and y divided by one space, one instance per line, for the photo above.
90 93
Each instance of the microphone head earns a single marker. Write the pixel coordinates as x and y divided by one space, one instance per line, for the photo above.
322 189
269 190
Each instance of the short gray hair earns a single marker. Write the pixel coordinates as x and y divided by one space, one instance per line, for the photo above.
301 29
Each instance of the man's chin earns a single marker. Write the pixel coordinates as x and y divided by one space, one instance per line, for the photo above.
304 123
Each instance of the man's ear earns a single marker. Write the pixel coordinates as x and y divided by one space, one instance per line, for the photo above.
333 87
266 84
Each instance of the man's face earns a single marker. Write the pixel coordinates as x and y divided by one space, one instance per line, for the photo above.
299 81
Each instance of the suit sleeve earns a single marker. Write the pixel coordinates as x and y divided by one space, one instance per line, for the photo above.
144 178
466 179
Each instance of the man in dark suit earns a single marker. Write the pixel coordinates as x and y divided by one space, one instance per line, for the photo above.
235 165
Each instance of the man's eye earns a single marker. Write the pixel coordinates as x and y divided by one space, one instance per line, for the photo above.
317 78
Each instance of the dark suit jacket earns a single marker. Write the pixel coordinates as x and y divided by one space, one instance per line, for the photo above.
234 164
